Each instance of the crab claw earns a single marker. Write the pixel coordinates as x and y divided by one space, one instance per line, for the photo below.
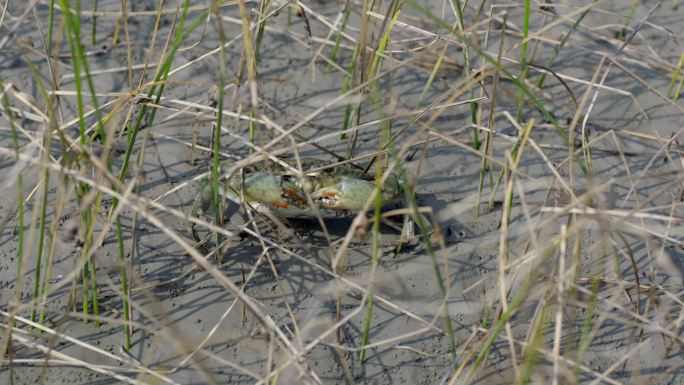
348 194
353 193
280 204
327 197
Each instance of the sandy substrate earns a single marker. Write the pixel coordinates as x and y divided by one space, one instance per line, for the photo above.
190 330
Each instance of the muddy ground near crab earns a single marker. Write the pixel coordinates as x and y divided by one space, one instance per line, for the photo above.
180 307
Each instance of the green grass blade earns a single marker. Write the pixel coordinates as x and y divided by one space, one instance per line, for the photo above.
466 70
338 39
523 59
675 75
559 47
215 171
123 268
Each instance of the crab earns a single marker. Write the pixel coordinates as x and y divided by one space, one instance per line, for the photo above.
334 192
317 192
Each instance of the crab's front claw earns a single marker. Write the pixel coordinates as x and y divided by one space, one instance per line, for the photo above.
329 198
348 194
